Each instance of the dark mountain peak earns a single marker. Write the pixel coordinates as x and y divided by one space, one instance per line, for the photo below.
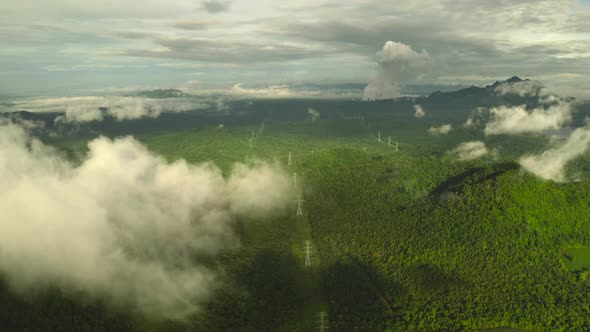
514 79
436 93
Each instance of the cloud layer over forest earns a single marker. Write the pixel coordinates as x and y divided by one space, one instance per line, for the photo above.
124 225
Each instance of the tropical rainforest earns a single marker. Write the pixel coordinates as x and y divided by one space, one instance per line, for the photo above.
405 234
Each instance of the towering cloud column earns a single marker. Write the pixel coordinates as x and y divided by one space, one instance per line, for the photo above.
397 64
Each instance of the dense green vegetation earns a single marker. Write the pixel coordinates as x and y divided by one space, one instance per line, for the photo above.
481 250
413 240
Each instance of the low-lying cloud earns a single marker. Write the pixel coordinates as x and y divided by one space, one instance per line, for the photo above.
96 108
550 164
315 115
124 225
525 88
397 64
441 130
519 120
419 111
471 150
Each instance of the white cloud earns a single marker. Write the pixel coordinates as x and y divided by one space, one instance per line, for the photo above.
315 115
125 225
419 112
469 123
524 88
518 120
550 164
471 150
442 130
273 91
398 63
88 108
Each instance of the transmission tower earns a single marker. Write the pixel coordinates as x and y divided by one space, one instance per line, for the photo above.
307 248
379 136
323 321
299 202
389 140
295 180
396 146
289 162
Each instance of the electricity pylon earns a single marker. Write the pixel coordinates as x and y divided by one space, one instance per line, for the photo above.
323 321
396 146
289 162
379 136
299 209
307 248
295 180
389 140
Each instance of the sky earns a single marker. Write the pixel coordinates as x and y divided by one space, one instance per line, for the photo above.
77 47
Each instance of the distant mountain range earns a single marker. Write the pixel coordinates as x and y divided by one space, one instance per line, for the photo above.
161 93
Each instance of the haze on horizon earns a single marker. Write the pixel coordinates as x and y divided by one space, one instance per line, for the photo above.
266 47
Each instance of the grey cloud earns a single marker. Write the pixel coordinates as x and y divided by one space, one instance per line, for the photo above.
194 24
215 6
461 41
124 225
225 51
133 35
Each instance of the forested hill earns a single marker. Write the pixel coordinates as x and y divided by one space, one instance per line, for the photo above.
448 245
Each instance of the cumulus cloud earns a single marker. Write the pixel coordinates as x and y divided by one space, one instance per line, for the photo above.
550 164
419 112
518 120
124 225
96 108
470 123
397 63
525 88
470 150
442 130
315 115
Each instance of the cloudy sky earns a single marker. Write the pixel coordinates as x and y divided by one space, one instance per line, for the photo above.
68 46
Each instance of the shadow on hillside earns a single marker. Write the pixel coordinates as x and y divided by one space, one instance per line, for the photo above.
265 294
357 301
51 310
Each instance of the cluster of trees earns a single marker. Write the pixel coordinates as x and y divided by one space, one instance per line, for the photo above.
407 242
447 245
